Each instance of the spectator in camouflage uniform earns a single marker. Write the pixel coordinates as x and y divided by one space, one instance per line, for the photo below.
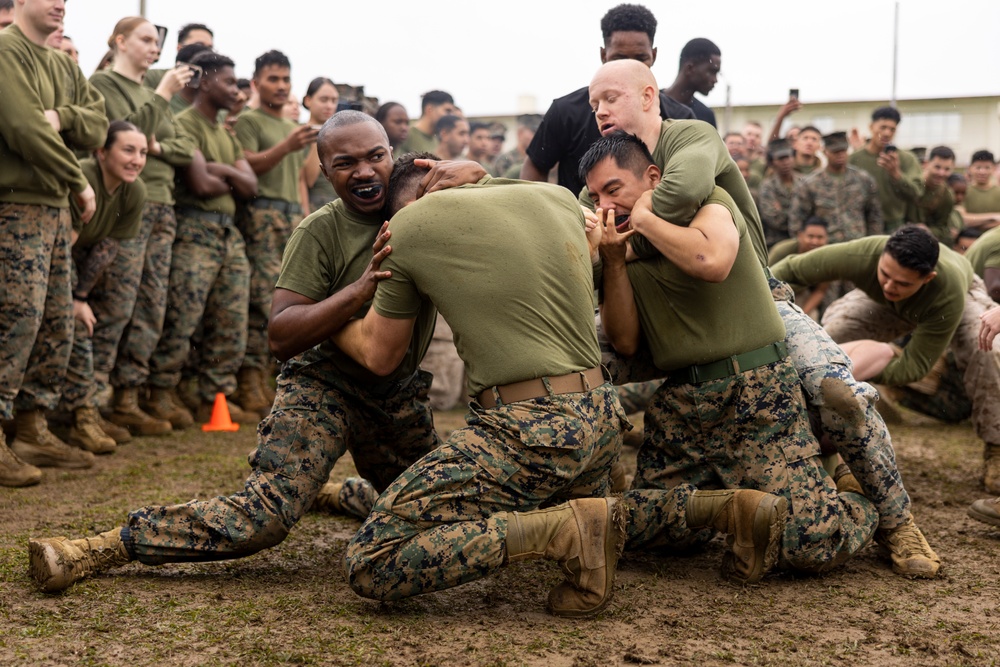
326 403
776 192
508 165
273 146
48 110
843 195
131 302
209 271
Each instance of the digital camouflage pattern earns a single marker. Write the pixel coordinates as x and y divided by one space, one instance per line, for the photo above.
209 282
774 203
316 418
443 522
36 311
751 431
843 409
266 233
849 203
142 333
948 402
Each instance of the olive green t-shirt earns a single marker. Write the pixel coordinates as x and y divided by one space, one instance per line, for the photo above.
982 200
507 264
935 310
934 211
689 321
217 145
895 196
782 249
125 99
118 215
257 131
328 251
417 141
985 253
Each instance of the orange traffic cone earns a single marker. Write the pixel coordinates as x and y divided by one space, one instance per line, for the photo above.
220 420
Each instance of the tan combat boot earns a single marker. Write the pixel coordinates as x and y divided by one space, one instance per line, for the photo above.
249 392
354 496
120 435
846 481
585 536
165 404
128 414
986 510
87 433
58 563
35 444
911 555
238 414
991 468
14 471
754 522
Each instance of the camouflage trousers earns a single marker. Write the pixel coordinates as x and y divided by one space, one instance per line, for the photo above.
444 521
856 317
317 416
266 233
843 407
151 251
751 431
948 401
442 361
79 389
209 283
36 310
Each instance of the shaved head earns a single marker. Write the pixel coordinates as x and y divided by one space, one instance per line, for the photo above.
624 96
343 119
626 73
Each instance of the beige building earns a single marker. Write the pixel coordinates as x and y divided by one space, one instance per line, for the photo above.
965 124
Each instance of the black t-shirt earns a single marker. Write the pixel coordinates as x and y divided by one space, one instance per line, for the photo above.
702 112
569 129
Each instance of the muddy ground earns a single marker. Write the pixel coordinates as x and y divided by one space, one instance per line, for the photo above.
290 605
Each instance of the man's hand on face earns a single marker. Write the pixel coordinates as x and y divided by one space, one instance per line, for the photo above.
613 243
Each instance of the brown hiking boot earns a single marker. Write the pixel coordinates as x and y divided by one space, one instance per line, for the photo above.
621 481
166 405
754 522
58 563
846 481
236 413
14 471
128 414
249 392
35 444
354 496
120 435
986 510
585 536
87 433
991 468
911 555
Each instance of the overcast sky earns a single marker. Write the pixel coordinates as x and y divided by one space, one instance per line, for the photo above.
489 55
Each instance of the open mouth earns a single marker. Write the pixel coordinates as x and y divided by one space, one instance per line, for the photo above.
367 192
607 128
623 222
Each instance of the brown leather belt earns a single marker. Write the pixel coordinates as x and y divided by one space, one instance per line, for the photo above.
527 389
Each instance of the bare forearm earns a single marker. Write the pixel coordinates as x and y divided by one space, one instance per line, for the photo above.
92 268
529 172
298 328
619 316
